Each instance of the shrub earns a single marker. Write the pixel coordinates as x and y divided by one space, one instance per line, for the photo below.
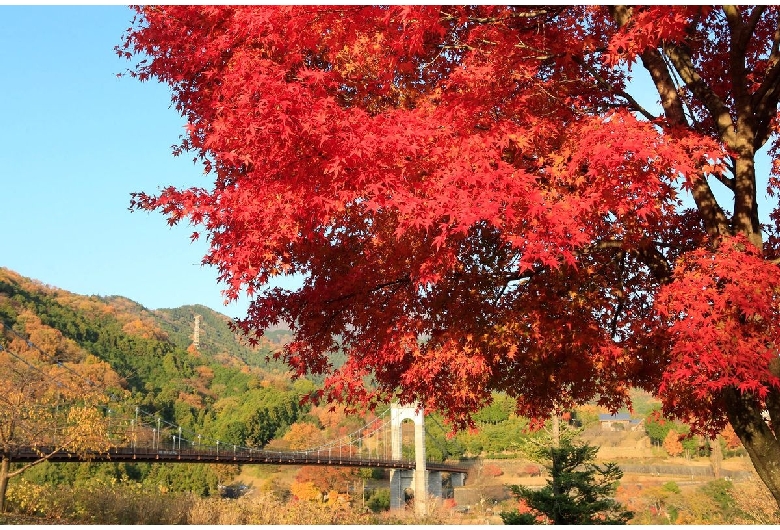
379 500
492 470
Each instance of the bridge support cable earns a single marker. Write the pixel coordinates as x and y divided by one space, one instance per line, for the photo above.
141 436
444 449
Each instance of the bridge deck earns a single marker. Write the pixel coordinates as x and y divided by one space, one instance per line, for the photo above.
227 456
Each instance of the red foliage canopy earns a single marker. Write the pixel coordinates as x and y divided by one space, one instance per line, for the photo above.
474 200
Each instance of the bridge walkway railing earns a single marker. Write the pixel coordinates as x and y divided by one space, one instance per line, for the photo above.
225 455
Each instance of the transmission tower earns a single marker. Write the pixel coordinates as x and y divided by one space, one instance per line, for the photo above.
196 333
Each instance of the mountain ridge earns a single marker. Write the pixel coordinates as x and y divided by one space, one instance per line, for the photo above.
223 381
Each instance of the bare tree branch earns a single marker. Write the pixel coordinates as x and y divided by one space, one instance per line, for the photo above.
633 103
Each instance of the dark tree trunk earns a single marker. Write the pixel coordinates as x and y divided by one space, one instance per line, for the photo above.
5 467
758 438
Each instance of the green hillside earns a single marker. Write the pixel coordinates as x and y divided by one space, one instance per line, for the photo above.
159 368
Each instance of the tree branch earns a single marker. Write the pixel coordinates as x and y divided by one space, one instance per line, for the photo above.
647 254
715 221
379 287
728 182
701 90
495 20
767 97
633 103
28 465
621 301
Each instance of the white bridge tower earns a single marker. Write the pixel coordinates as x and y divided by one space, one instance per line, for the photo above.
400 479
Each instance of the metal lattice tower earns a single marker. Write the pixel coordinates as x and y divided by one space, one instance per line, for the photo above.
196 332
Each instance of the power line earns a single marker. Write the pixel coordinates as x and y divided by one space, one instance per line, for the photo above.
23 360
364 432
31 344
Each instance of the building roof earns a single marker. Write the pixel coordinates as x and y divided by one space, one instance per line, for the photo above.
620 416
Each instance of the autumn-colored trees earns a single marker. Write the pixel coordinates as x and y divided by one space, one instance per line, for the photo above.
672 444
51 397
479 198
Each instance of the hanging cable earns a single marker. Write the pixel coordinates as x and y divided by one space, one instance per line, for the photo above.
53 359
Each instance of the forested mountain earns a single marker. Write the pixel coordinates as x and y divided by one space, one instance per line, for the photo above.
221 390
211 389
217 341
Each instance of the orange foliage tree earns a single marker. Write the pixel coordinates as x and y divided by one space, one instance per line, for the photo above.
328 478
475 198
672 444
305 491
49 402
303 436
731 438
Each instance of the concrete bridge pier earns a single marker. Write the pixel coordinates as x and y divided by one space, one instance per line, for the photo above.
403 479
458 479
400 480
434 484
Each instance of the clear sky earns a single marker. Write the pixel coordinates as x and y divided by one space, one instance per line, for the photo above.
75 141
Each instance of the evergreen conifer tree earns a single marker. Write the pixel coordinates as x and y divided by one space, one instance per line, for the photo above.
577 492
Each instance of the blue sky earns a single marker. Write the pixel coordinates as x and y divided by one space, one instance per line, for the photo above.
75 141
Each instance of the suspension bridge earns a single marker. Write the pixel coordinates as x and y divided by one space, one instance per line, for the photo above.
139 436
213 455
378 444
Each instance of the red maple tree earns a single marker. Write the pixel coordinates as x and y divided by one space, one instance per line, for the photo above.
477 199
